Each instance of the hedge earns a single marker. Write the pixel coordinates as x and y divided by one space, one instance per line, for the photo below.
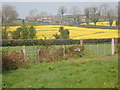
49 42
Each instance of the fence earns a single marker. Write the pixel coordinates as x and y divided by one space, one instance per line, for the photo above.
95 47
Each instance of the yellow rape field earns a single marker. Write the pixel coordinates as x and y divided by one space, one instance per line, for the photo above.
75 32
105 23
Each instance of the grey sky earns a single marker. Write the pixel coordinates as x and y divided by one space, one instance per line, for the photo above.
23 8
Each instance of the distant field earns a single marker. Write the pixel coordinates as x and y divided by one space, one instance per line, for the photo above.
75 32
97 73
105 23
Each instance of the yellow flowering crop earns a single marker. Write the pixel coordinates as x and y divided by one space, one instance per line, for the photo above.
105 23
75 32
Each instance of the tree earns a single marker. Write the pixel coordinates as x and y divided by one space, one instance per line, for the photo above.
33 12
103 10
43 14
24 32
56 36
64 34
75 11
9 14
110 16
94 14
16 34
4 33
32 32
87 14
62 10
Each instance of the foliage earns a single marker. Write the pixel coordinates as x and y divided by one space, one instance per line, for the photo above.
4 33
32 32
78 20
53 54
64 34
12 60
24 33
87 21
110 16
49 42
56 36
110 22
16 34
95 15
9 14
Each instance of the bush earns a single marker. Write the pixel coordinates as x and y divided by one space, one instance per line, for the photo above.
71 51
64 34
38 42
50 54
13 60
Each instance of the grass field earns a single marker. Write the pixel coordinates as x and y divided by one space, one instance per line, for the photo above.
100 72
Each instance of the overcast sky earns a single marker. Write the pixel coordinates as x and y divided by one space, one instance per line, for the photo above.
23 8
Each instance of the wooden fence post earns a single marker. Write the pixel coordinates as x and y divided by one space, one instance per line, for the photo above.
81 42
63 50
38 54
24 52
116 45
113 46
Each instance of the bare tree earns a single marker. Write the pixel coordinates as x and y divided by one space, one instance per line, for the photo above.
62 10
33 12
103 10
75 11
110 16
87 14
8 14
42 14
94 14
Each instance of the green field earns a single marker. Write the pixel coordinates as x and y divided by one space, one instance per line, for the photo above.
76 72
100 72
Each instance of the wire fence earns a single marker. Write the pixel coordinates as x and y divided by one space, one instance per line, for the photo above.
90 49
52 49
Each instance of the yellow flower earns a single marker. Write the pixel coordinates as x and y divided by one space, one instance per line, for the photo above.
75 32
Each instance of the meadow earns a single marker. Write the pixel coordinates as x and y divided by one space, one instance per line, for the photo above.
100 72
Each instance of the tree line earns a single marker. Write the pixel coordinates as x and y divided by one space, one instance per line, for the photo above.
22 32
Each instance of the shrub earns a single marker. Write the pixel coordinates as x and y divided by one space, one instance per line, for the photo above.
32 32
13 60
25 32
64 34
72 52
4 33
16 34
50 54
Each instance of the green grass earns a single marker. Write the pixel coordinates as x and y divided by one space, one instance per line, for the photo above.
64 74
